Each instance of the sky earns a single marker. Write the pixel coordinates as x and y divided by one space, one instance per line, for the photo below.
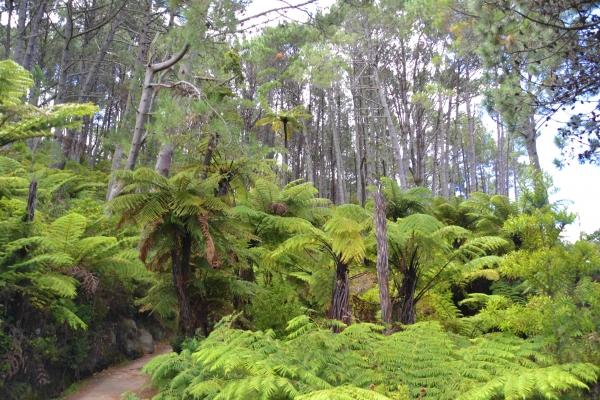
578 184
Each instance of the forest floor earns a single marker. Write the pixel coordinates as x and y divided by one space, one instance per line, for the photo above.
112 382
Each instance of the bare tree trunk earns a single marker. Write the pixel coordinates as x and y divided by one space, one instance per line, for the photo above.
310 172
473 187
144 106
18 54
65 55
501 187
446 153
530 135
165 157
321 125
341 165
382 257
359 150
61 90
339 162
392 129
139 60
439 133
33 34
8 29
116 164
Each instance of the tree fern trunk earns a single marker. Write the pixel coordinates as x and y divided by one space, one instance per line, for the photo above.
340 298
32 200
407 293
180 263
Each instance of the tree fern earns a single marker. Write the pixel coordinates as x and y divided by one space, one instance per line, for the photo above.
23 121
361 363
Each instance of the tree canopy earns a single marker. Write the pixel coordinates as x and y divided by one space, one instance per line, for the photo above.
315 208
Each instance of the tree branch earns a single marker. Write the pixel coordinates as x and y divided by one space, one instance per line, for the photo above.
172 61
276 10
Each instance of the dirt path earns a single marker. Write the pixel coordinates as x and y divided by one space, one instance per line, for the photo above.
112 382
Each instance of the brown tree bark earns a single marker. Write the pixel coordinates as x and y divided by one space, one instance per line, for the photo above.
31 200
382 258
180 265
340 298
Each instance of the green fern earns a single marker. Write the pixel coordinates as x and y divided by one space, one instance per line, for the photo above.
24 121
361 363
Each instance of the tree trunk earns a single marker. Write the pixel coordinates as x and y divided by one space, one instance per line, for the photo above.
310 174
473 187
392 129
407 293
382 258
18 54
33 34
8 29
530 135
340 298
165 157
501 186
284 167
212 145
61 90
31 200
180 263
341 170
144 106
360 194
339 162
116 164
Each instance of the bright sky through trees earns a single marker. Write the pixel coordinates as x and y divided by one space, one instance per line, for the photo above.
575 183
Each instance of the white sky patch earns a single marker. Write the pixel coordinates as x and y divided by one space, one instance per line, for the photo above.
272 19
577 183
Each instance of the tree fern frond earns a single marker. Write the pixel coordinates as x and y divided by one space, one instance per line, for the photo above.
64 315
58 284
419 223
67 230
9 166
343 393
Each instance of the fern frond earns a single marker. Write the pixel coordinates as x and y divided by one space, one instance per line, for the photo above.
67 230
344 393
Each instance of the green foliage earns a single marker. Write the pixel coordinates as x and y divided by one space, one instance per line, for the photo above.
361 363
402 203
23 121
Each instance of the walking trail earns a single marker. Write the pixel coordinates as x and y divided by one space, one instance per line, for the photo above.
112 382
